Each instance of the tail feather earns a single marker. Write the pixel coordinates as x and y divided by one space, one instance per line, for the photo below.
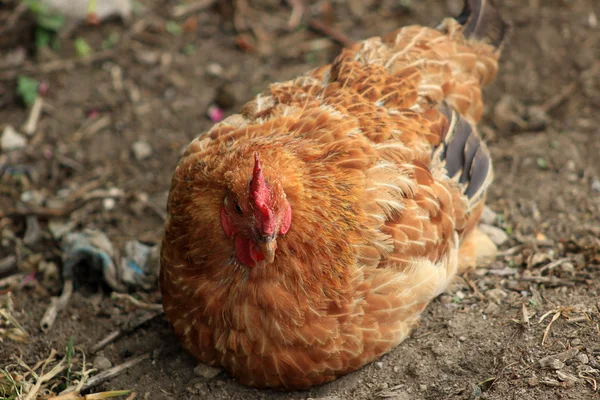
481 20
464 155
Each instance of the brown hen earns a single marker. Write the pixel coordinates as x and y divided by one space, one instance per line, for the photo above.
306 234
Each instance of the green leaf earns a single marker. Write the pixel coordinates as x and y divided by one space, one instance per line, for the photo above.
52 22
82 48
173 28
69 355
27 88
189 49
43 37
111 41
542 163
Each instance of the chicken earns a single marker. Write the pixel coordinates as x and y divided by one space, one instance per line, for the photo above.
306 234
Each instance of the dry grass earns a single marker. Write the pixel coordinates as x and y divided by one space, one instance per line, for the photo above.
52 378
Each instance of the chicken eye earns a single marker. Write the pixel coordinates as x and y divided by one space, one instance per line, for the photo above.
237 208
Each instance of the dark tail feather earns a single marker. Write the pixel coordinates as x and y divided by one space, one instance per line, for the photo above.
481 20
465 155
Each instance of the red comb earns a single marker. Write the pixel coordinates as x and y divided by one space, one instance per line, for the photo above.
261 195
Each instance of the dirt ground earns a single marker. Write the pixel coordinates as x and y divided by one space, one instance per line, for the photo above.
482 340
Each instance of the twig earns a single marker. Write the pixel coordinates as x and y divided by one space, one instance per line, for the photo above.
547 330
185 9
91 129
554 264
58 65
57 304
10 281
136 302
109 373
558 98
7 264
327 30
475 289
34 116
298 7
127 328
510 251
551 280
75 203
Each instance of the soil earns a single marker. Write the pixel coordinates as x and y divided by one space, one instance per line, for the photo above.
481 340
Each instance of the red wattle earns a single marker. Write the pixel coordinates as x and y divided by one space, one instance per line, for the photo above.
247 252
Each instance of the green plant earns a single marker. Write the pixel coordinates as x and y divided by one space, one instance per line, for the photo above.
27 89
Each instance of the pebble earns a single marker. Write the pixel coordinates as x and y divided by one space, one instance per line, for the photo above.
557 361
214 69
488 216
568 267
109 203
141 150
596 185
101 363
496 295
492 309
496 235
379 365
583 358
533 381
11 139
206 371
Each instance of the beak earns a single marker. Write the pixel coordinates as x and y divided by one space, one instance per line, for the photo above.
268 248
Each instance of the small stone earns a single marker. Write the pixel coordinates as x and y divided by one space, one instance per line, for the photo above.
109 203
206 371
492 309
496 235
533 381
141 150
583 358
422 387
572 177
11 139
488 216
379 365
462 338
568 267
539 258
496 295
101 363
596 184
214 69
576 342
396 369
59 227
557 361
